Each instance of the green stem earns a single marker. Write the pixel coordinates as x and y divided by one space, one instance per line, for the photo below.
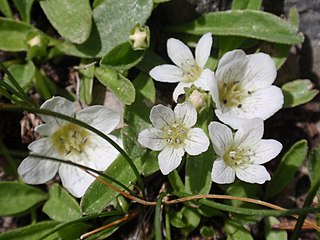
85 167
10 107
168 227
158 217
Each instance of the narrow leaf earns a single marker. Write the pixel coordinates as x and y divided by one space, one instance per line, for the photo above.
298 92
24 8
245 23
5 9
16 197
22 73
289 165
60 199
31 232
246 4
75 22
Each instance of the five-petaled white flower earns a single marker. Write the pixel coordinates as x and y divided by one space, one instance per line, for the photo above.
187 69
243 88
242 153
65 140
173 135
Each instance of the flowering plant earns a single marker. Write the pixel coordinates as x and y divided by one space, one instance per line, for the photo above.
133 111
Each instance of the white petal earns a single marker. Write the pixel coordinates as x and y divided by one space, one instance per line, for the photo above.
222 173
34 170
46 129
166 73
266 150
57 104
203 49
263 103
250 133
179 53
204 80
185 113
253 174
197 142
230 117
169 159
214 90
221 137
231 66
100 117
152 138
101 152
75 180
161 116
180 90
260 71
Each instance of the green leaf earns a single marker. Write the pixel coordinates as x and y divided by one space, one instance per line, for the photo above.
207 232
246 4
236 231
122 57
16 198
298 92
187 219
113 21
71 18
289 165
23 73
122 88
60 199
198 173
15 33
73 231
245 23
314 167
273 234
98 195
86 76
5 8
32 232
24 8
44 86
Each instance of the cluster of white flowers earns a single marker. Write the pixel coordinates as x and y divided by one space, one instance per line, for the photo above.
242 92
244 96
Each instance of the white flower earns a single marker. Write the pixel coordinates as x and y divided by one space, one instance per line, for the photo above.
187 69
242 153
68 141
173 135
243 88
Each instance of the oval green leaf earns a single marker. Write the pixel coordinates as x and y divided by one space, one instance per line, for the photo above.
289 165
24 8
17 198
122 87
23 73
245 23
71 18
60 199
298 92
273 234
113 21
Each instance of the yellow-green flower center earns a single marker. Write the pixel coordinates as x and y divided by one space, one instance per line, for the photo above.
176 134
237 156
70 139
191 72
231 94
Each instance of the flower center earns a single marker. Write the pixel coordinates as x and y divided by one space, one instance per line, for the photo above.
176 135
191 72
231 94
237 156
70 139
